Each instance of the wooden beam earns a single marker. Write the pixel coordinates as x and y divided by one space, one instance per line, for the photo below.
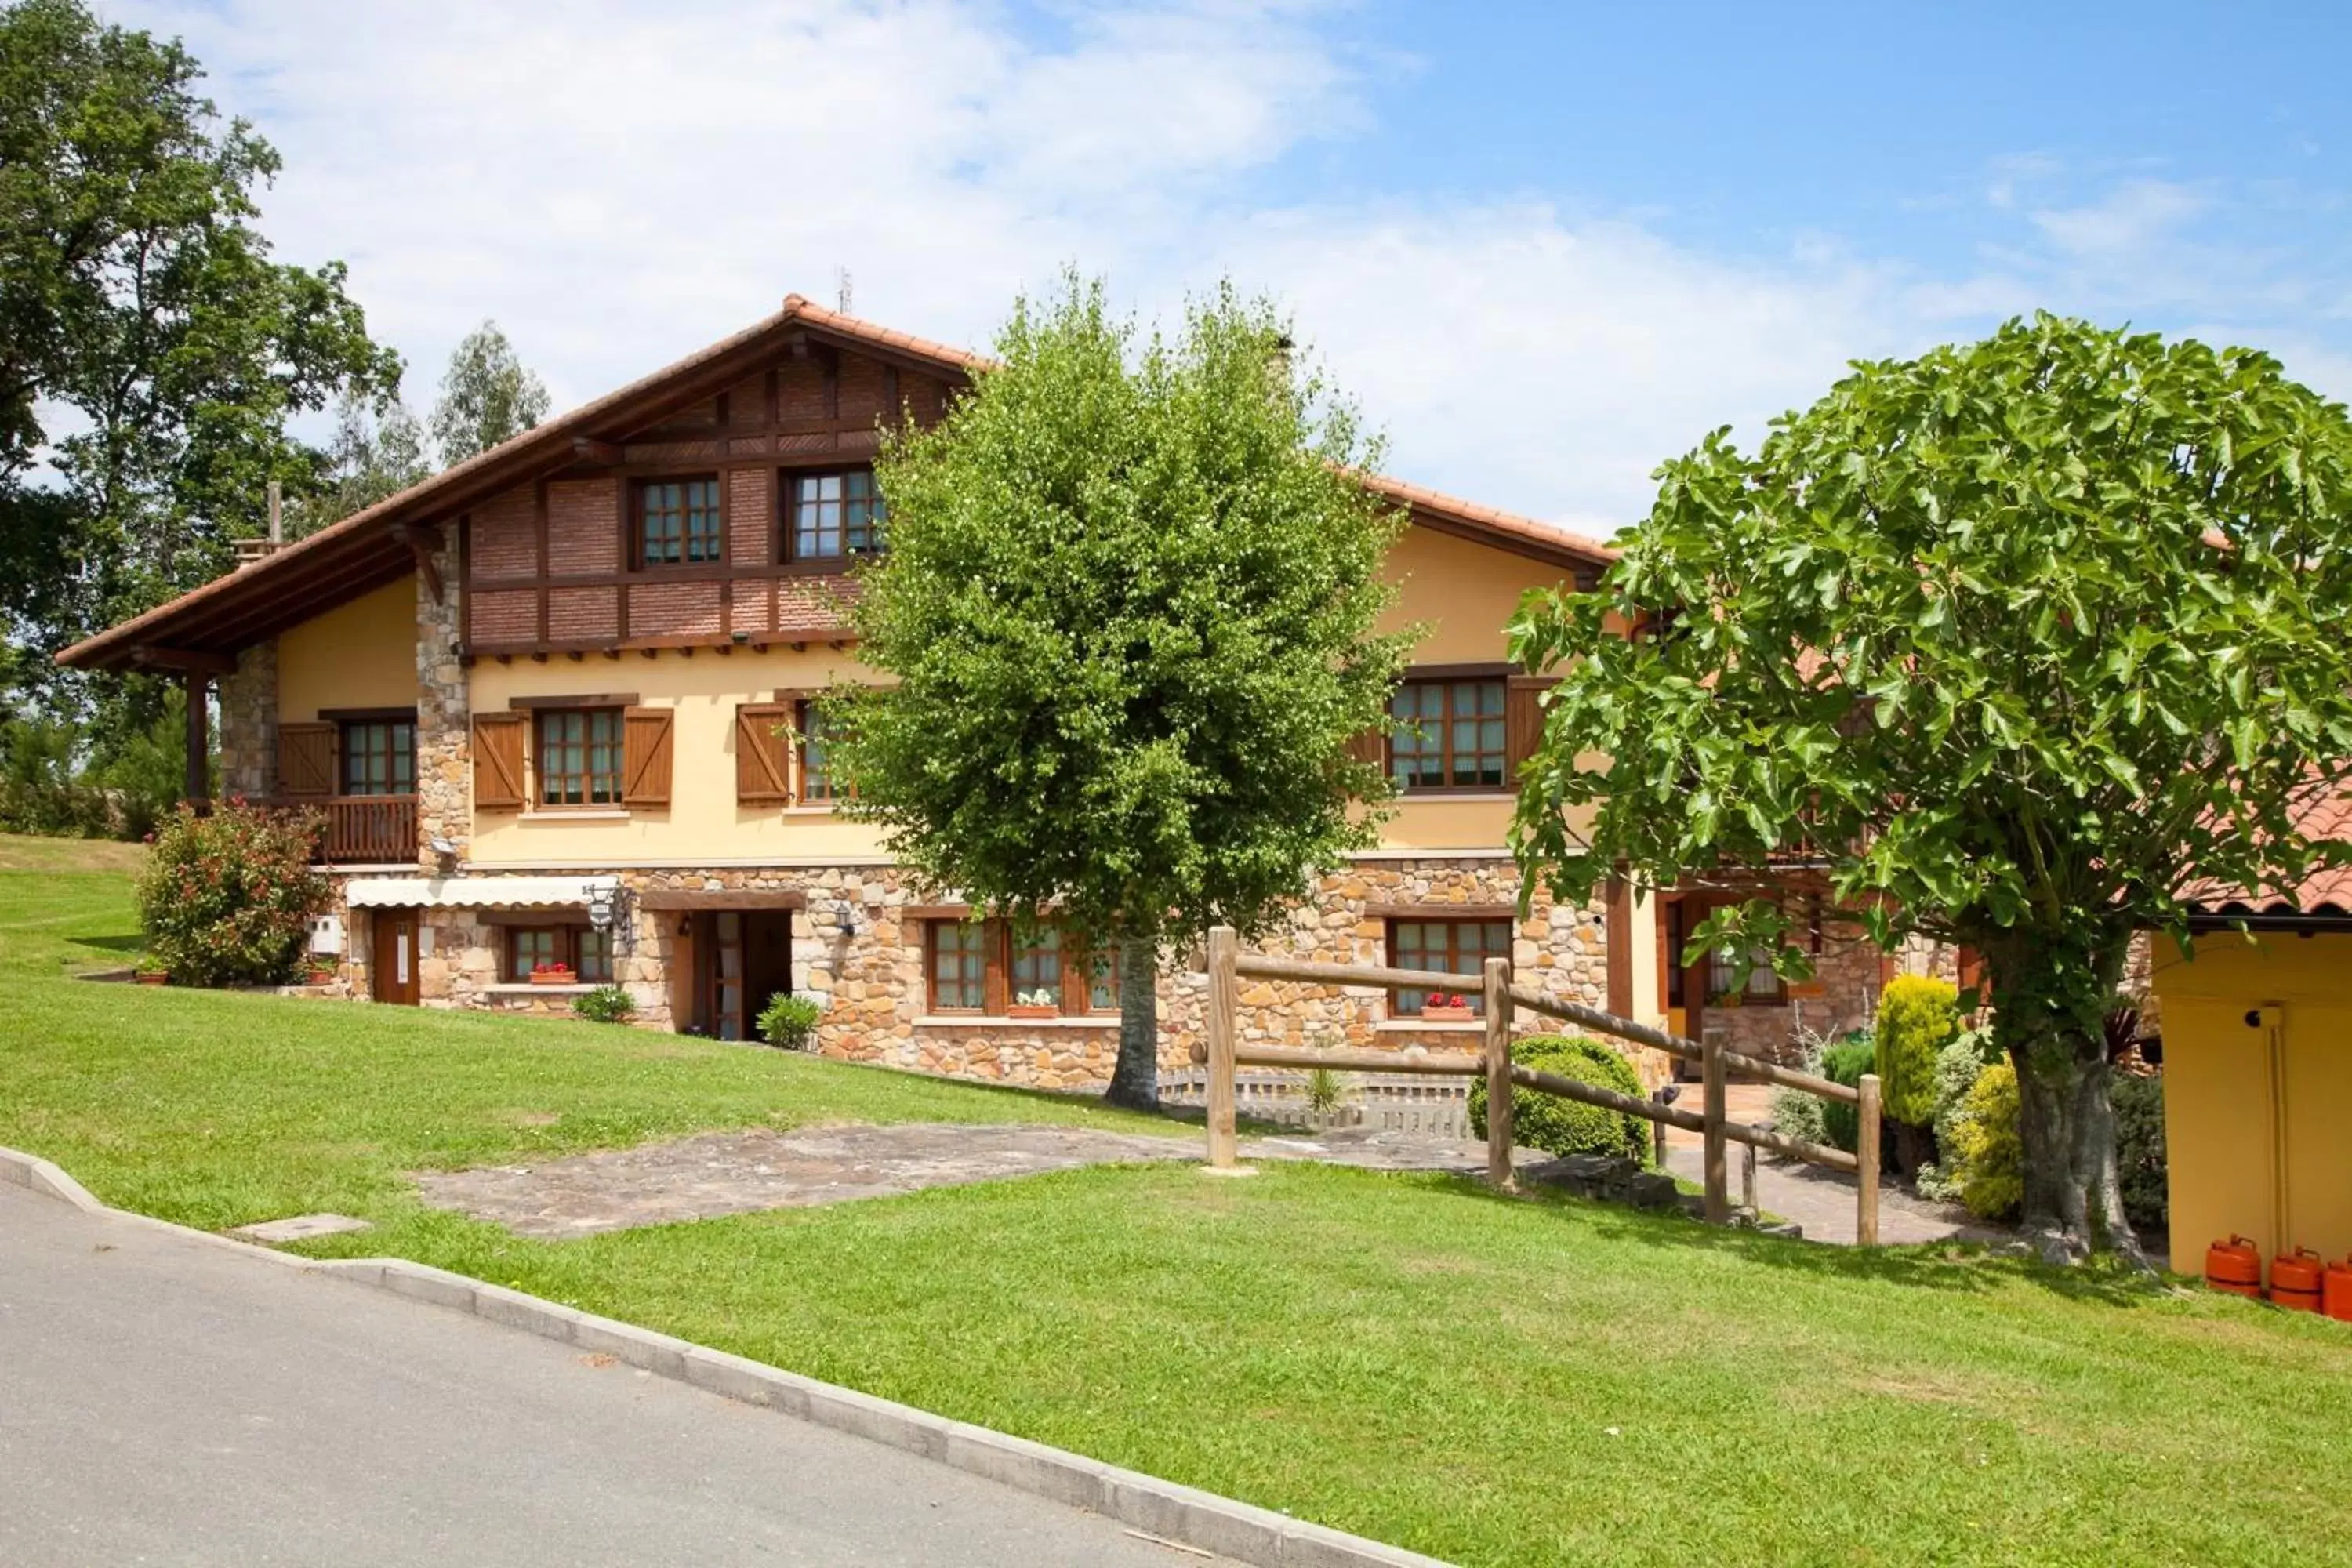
588 449
423 540
199 769
192 661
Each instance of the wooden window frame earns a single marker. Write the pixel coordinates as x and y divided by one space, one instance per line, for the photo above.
640 557
346 752
1409 1004
932 932
1000 957
805 717
566 942
1445 679
618 747
787 507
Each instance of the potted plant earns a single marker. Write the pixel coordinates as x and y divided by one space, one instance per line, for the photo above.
1036 1002
319 972
152 977
1445 1007
547 972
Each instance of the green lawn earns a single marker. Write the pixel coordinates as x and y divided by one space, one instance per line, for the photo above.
1495 1382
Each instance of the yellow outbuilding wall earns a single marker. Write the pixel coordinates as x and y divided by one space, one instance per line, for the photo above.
2257 1092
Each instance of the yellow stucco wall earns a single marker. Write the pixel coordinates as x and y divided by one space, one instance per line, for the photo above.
2241 1151
703 824
360 655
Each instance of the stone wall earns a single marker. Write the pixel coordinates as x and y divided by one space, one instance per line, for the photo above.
857 949
248 724
445 789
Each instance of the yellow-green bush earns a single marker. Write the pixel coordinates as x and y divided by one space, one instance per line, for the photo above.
1986 1160
1918 1015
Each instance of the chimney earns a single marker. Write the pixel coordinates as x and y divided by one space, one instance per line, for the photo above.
249 550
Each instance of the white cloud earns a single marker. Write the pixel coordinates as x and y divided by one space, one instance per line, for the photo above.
618 183
2132 215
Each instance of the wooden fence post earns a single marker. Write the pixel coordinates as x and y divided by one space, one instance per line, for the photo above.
1499 1074
1718 1178
1748 1177
1865 1154
1222 950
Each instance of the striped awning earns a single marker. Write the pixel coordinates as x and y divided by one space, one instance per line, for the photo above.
478 892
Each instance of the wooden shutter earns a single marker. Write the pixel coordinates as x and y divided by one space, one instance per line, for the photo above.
1523 720
498 761
764 762
1369 746
644 755
305 760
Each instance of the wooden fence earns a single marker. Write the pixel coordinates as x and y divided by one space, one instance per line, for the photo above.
1226 1052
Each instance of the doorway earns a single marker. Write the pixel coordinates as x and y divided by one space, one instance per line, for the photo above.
392 969
744 959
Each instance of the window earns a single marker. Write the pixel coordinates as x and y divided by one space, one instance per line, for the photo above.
1037 970
1447 734
531 949
980 966
1723 975
379 756
1102 981
579 757
1450 947
832 515
678 521
958 965
584 950
816 764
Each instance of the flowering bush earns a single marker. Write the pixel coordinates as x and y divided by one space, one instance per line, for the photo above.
606 1004
227 899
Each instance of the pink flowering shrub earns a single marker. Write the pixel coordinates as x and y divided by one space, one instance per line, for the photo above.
227 899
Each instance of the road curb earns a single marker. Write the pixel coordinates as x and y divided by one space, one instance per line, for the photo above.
1182 1514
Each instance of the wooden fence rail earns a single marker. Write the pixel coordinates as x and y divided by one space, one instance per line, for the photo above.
1224 1051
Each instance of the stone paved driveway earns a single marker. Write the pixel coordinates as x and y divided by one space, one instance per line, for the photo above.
717 1173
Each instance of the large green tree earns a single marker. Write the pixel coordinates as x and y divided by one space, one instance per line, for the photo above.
1129 606
488 395
2028 638
151 354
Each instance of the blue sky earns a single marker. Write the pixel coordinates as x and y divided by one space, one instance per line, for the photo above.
1545 246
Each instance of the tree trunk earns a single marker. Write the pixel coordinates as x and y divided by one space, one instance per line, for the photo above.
2050 1001
1135 1081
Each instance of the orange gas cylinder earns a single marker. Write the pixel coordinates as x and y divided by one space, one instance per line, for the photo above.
2235 1265
2294 1280
2336 1290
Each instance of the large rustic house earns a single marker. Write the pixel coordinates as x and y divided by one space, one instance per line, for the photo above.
543 701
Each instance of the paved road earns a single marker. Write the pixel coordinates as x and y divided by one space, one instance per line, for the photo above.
162 1401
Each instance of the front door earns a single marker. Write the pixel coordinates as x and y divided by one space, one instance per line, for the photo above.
393 965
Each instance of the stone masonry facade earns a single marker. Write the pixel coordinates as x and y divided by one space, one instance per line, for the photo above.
856 948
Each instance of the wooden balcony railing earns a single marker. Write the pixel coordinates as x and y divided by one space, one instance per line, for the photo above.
366 828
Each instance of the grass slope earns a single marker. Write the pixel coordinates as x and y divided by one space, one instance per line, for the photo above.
1488 1381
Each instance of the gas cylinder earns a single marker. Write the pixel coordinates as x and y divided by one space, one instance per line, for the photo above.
2294 1280
2235 1265
2336 1290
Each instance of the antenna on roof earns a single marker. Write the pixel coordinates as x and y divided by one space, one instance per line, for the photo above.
841 289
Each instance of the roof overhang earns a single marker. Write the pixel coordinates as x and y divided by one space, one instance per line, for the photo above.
479 892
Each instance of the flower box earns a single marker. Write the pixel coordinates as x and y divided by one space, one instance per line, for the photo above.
154 977
1446 1008
553 975
1032 1010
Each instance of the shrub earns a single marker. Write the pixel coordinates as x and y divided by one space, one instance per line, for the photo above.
2139 1151
1846 1060
606 1004
1795 1112
1558 1126
1918 1015
227 899
1324 1091
1958 1066
1986 1160
789 1021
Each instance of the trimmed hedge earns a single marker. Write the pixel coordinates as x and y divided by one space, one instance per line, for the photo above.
2138 1105
1845 1061
1918 1015
1558 1126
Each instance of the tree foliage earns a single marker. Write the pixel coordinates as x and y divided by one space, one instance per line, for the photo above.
1130 602
150 351
379 449
488 396
2030 637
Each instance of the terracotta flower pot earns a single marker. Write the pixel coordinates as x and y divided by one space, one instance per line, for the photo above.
553 977
1029 1010
1446 1016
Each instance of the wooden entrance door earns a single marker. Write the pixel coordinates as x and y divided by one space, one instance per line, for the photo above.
393 965
728 1020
